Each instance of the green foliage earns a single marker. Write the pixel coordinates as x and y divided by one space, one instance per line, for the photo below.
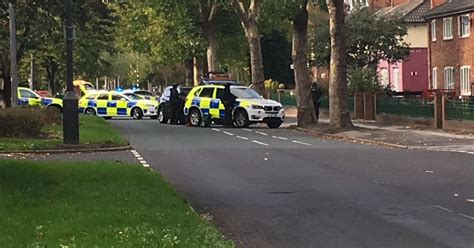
276 53
370 38
363 80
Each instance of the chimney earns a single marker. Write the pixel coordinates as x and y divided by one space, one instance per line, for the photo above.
436 3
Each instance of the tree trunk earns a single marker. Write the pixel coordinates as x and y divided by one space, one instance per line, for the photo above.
212 46
189 71
7 86
197 71
256 61
338 114
51 71
305 107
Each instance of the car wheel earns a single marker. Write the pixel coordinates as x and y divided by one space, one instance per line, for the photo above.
241 118
195 117
274 123
161 116
137 113
90 111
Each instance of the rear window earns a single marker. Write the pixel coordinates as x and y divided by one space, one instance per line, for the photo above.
91 97
207 92
103 97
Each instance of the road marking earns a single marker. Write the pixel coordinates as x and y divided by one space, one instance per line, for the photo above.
231 134
240 137
216 129
280 138
260 143
262 133
444 209
140 159
301 143
466 216
246 129
470 200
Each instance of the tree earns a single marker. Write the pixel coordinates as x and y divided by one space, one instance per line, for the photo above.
339 117
248 14
208 11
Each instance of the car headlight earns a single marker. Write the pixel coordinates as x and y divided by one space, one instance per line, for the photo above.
257 107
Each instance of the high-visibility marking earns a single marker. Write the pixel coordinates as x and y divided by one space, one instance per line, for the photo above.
140 159
260 143
216 129
246 129
231 134
146 165
262 133
240 137
280 138
301 143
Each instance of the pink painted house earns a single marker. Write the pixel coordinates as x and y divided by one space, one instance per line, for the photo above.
411 74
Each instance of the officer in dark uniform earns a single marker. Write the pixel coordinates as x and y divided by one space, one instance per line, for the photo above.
228 99
174 104
317 96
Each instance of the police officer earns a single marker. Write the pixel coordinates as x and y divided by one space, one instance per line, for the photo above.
317 96
174 104
228 99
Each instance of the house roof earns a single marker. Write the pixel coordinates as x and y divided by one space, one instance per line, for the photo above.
411 11
451 7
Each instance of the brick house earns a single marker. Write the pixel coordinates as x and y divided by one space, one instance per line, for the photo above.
410 74
451 46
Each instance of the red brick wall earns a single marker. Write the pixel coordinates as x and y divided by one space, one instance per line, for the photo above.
398 2
379 4
456 52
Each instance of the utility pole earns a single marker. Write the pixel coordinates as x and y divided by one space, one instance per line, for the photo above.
13 58
32 72
70 102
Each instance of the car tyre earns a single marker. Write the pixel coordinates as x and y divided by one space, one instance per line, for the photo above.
241 118
90 111
161 116
195 117
274 124
137 113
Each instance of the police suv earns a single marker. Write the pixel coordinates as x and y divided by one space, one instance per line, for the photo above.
203 106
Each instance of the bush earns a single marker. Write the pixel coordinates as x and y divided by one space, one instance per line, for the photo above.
24 122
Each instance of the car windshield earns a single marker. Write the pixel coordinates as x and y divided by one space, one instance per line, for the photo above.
245 93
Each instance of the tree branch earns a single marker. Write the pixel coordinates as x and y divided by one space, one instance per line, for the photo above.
213 12
241 11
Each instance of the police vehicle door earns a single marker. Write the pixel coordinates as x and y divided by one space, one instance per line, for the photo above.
220 106
102 101
117 106
205 98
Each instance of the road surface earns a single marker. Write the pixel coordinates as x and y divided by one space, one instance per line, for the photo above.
282 188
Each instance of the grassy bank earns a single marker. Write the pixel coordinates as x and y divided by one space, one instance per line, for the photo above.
94 132
101 204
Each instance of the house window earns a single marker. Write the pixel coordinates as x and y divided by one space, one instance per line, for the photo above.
464 26
358 4
465 80
449 78
447 28
434 78
433 30
396 80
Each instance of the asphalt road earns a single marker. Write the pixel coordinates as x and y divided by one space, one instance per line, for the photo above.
282 188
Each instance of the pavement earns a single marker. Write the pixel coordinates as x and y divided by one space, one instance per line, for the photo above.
285 188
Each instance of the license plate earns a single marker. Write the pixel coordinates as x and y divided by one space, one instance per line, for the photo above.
272 116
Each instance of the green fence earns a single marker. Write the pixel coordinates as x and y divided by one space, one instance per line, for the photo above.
459 110
405 106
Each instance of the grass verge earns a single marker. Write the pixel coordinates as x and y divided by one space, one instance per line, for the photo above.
94 132
98 204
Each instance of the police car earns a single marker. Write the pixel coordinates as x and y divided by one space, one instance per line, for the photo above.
27 97
113 104
143 93
203 106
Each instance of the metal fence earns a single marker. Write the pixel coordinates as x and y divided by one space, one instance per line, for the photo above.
459 110
414 107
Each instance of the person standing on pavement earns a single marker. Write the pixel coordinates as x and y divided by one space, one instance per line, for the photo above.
317 96
228 99
174 104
